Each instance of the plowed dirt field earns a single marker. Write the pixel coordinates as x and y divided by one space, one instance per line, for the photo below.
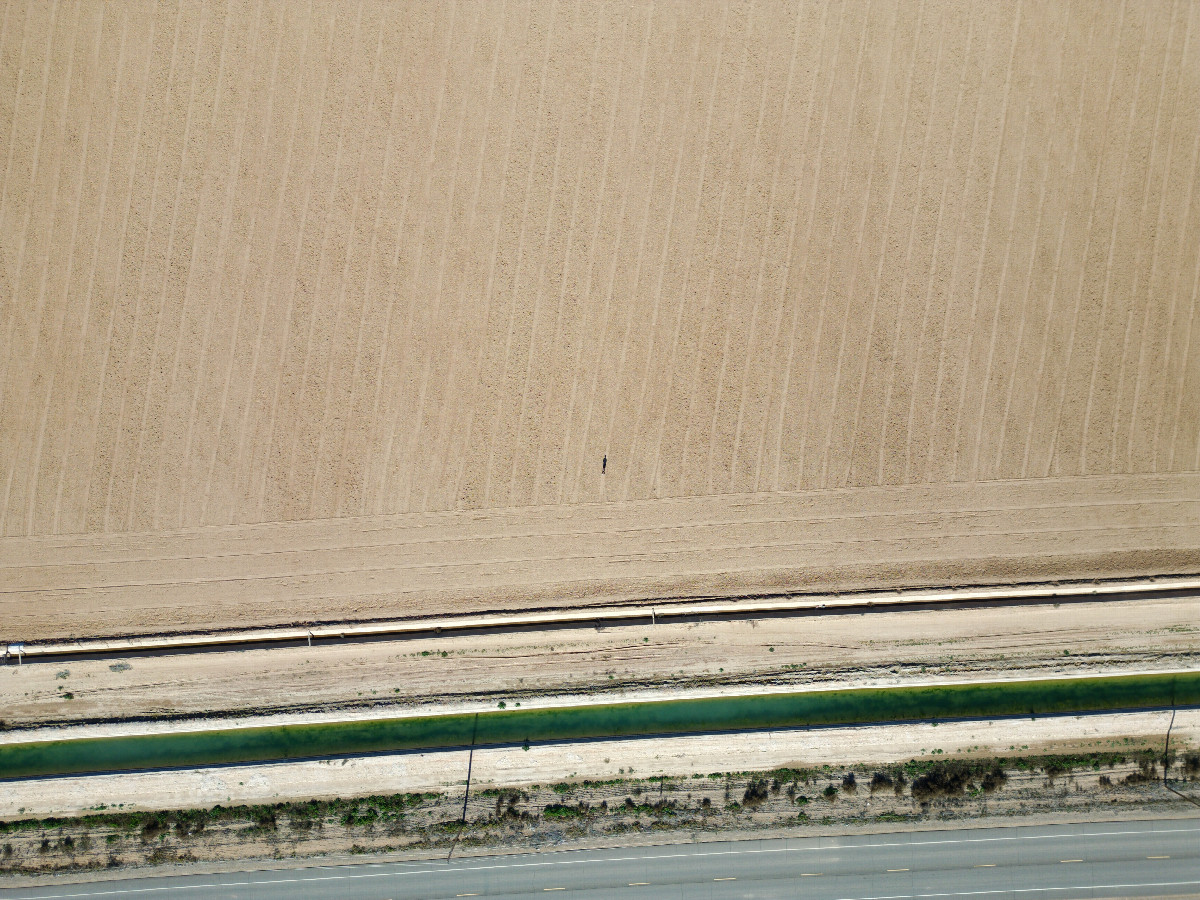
343 310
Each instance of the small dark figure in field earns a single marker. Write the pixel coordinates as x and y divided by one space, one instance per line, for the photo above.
604 464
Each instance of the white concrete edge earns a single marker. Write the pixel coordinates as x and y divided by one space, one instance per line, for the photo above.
668 609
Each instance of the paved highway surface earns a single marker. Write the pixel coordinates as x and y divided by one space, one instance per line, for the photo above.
1117 859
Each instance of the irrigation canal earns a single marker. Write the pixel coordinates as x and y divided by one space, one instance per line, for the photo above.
990 700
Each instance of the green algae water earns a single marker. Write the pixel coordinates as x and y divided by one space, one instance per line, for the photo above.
770 711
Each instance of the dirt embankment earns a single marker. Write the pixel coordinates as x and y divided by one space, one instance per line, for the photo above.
824 649
622 810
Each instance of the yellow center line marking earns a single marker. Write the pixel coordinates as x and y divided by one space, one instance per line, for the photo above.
897 870
638 883
986 866
724 879
553 889
1158 857
1070 860
466 895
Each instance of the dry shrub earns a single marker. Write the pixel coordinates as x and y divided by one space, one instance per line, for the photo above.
1191 765
994 780
756 793
944 779
954 777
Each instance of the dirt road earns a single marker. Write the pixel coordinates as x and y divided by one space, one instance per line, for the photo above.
848 649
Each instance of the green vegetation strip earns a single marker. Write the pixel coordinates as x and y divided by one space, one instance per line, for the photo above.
865 706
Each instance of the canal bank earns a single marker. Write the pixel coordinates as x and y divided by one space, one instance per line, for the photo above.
807 709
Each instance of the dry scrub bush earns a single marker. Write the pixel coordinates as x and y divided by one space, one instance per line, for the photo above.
953 778
1191 765
756 793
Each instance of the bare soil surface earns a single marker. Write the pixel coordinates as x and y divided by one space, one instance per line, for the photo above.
869 648
338 312
598 554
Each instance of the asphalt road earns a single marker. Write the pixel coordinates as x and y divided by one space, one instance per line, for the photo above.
1118 859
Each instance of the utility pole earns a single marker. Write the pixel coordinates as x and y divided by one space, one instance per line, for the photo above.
467 792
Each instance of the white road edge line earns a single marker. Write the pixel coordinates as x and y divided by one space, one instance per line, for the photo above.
613 859
1032 890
